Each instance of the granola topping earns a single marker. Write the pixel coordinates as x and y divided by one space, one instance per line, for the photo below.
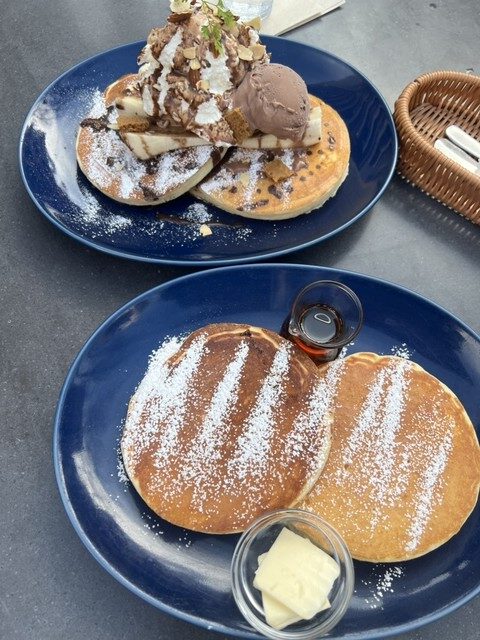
190 68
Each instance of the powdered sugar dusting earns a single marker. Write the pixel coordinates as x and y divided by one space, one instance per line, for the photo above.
197 212
98 108
110 160
381 583
429 485
288 158
171 399
385 458
138 436
253 444
401 351
213 431
254 174
315 420
221 453
395 458
112 165
376 433
121 473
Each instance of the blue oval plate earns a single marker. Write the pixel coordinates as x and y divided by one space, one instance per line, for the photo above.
160 234
187 574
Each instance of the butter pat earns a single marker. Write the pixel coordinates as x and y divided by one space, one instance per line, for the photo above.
296 574
277 615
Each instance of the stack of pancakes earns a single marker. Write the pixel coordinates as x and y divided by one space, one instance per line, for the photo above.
235 421
244 184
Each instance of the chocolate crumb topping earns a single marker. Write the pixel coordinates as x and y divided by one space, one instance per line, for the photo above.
148 193
275 191
97 124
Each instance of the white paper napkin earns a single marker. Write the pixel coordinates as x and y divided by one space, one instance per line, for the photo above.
289 14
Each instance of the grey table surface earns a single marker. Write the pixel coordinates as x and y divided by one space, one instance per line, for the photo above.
55 292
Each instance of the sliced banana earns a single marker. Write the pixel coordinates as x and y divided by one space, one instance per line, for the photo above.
312 136
152 143
130 106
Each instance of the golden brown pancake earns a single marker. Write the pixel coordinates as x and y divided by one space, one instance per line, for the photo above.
403 472
240 185
114 170
231 424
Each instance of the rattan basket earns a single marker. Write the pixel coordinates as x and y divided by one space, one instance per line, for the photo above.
423 111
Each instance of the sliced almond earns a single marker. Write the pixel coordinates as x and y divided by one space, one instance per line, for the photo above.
255 23
180 6
195 64
258 50
190 53
203 85
244 53
205 230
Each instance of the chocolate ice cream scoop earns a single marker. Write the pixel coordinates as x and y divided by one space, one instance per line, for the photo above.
274 99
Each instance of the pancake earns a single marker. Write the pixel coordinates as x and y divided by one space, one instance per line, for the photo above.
403 473
240 186
230 424
113 169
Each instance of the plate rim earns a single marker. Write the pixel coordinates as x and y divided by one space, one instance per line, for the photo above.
128 255
378 634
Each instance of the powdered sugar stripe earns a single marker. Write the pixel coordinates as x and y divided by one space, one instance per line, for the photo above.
254 444
364 423
315 419
287 158
138 436
428 486
172 399
384 460
206 447
253 175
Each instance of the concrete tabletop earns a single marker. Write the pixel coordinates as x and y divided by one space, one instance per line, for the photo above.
55 292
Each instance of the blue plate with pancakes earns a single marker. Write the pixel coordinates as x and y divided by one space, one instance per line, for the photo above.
186 574
166 233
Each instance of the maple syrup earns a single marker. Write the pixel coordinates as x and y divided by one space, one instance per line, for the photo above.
322 329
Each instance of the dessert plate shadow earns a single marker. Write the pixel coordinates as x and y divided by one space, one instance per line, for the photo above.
161 234
185 574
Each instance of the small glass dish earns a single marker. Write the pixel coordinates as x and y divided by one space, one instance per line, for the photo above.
325 316
258 539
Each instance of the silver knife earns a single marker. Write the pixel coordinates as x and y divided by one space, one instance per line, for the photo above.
463 140
453 152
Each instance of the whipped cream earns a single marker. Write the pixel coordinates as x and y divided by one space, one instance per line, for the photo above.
166 60
218 74
208 113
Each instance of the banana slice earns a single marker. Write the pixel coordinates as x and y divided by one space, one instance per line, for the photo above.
152 143
131 106
313 135
149 144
